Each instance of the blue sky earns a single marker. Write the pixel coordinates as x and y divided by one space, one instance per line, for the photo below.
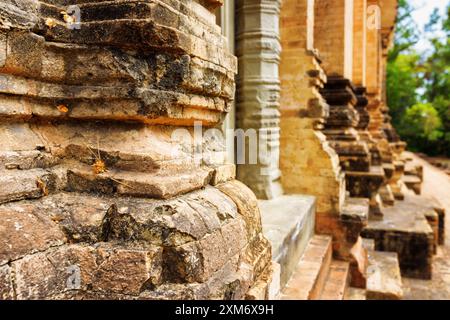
422 16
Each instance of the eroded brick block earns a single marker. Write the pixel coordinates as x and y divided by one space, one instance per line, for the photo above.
107 268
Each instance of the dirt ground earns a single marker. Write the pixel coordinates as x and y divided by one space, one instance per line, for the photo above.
436 183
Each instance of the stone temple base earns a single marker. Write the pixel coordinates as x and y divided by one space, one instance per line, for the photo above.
103 193
58 243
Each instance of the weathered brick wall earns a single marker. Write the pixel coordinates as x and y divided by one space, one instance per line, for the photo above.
98 199
333 36
359 42
376 67
309 165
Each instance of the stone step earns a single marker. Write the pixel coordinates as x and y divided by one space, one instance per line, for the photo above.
434 212
387 195
337 281
398 189
369 244
309 278
354 217
413 183
355 294
414 169
288 223
405 230
355 210
433 220
384 281
364 184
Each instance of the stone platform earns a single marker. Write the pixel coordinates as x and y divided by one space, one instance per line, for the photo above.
288 223
406 231
384 281
320 277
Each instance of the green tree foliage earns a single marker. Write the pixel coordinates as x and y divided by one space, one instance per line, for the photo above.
402 83
421 125
437 82
418 87
406 33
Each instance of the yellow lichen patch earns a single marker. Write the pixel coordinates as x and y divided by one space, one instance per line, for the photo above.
62 108
42 186
99 166
51 23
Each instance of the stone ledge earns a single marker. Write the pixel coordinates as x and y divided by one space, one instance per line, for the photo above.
288 223
355 210
413 183
160 186
363 184
337 281
384 281
387 196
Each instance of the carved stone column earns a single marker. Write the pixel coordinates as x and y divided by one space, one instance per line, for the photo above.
101 166
258 87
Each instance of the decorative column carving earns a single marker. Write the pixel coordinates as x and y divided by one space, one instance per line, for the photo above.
258 87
